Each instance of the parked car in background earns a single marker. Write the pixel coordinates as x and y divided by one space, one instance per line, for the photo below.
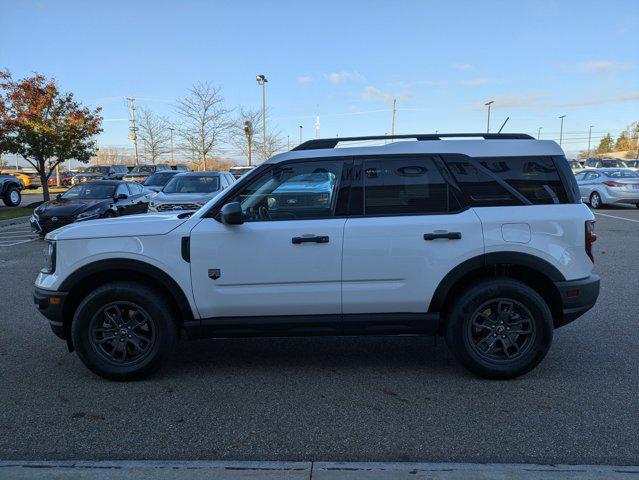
29 180
88 201
606 186
156 182
66 179
141 172
604 163
633 164
576 166
189 191
238 171
100 172
10 187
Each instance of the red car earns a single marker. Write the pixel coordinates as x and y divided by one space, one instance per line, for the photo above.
65 179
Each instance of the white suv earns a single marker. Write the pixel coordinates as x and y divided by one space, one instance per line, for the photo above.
483 240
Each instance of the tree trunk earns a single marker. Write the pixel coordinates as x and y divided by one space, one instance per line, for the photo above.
45 186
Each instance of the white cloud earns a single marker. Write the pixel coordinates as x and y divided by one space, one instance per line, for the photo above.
601 66
373 94
339 77
474 82
305 79
462 66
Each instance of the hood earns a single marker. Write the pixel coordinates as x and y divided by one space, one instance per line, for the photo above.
70 207
127 226
184 197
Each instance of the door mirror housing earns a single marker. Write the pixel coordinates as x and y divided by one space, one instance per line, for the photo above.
121 196
58 196
231 214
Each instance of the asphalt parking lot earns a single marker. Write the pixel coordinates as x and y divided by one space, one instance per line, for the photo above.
339 399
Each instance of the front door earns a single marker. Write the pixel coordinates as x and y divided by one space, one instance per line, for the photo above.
283 262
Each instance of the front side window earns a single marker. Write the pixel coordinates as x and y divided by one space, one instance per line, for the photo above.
89 190
621 174
293 191
405 186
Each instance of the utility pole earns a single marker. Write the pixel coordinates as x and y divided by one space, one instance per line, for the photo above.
133 130
393 120
488 104
561 129
589 138
171 130
261 80
248 130
288 138
301 128
317 123
539 133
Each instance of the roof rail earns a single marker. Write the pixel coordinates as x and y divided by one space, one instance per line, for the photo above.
332 142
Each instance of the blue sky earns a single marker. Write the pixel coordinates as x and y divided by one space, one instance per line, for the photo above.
441 60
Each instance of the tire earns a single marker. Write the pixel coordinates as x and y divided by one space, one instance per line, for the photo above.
12 197
147 332
510 354
108 214
595 200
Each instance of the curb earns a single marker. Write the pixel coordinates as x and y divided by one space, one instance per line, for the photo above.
160 470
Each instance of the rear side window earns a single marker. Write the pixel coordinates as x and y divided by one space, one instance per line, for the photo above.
536 178
396 186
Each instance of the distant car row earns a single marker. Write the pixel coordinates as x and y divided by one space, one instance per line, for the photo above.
580 165
162 191
121 172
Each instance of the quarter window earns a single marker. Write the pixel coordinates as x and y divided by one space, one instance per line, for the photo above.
409 186
293 191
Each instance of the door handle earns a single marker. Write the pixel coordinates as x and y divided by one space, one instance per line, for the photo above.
447 235
310 239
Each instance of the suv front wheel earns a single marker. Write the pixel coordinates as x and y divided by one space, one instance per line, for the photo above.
124 331
500 328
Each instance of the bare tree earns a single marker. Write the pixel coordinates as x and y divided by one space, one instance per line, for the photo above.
203 120
112 156
154 135
238 137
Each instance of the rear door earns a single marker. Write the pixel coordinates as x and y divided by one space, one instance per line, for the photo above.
411 231
139 199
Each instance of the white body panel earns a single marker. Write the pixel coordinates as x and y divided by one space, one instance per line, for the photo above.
263 272
556 234
390 268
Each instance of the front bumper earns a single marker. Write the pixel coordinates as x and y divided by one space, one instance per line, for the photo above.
50 303
577 297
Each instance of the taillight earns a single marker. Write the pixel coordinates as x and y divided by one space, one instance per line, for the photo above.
590 238
614 184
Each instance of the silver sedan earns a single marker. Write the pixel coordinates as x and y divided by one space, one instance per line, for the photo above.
605 186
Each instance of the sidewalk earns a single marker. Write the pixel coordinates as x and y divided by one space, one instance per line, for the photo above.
152 470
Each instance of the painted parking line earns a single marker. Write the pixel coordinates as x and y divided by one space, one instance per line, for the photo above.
618 218
16 235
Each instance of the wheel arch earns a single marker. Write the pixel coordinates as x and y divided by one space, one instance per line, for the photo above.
88 277
9 184
535 272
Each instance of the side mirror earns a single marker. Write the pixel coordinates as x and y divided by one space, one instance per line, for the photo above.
231 214
122 196
58 196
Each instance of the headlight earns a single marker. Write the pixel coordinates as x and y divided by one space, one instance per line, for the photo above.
49 258
88 214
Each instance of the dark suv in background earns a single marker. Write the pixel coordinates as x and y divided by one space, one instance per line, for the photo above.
97 172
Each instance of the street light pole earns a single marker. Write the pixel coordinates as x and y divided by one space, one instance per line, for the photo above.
589 137
261 80
561 129
488 104
248 130
539 133
301 128
171 130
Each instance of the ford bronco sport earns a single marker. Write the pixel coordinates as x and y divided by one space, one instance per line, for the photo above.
482 240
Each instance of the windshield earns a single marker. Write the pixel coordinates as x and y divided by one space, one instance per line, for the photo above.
90 190
192 184
158 179
622 174
143 169
97 170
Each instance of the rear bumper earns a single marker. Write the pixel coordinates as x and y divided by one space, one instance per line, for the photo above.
577 297
51 304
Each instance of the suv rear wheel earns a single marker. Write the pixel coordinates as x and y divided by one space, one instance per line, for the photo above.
12 197
500 329
124 331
